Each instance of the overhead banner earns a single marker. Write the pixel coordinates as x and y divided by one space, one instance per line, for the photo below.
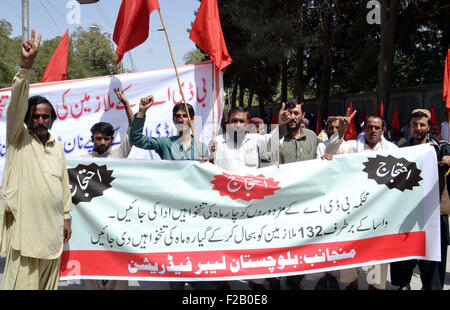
185 220
79 104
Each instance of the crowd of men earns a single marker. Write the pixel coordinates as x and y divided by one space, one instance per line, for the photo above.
36 201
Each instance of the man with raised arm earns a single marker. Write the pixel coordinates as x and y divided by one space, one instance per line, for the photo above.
372 139
179 147
103 137
36 200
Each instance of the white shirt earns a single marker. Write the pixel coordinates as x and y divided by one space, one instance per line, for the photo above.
321 147
340 146
242 155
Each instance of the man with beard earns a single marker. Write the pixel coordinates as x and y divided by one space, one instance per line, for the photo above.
36 200
371 139
432 274
298 144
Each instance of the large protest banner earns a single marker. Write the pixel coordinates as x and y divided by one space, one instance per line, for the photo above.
79 104
184 220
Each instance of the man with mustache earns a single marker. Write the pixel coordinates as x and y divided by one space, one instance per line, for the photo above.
36 200
299 144
432 274
371 139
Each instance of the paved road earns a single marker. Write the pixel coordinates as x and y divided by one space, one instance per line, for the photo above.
308 282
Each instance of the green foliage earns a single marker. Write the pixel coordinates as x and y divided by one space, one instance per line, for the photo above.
262 35
91 53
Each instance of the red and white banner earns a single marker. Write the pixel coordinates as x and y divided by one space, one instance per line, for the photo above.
191 221
79 104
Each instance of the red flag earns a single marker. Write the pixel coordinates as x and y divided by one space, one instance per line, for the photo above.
395 123
433 117
274 118
132 24
207 33
363 115
381 109
318 123
351 131
57 66
446 86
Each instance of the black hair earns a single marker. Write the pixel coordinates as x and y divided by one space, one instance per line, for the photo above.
34 101
331 120
104 128
235 110
383 122
292 103
180 106
420 114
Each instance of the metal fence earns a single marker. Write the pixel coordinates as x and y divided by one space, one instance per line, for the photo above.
406 99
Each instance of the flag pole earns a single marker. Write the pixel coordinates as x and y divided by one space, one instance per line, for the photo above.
179 84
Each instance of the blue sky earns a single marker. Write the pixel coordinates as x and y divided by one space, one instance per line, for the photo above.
49 18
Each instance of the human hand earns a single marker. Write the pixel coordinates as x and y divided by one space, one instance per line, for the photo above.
29 50
145 104
67 230
327 156
121 96
283 115
445 161
344 122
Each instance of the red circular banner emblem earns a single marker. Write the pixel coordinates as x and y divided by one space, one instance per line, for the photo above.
247 187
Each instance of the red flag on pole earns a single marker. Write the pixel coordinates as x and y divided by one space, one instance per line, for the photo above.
351 131
433 117
274 118
446 86
132 24
318 123
381 110
363 115
57 66
395 123
207 33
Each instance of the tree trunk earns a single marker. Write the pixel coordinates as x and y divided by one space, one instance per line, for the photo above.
284 80
241 95
234 95
299 78
325 69
250 98
325 77
389 16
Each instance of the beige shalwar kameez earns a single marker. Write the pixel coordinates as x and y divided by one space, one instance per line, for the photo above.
35 200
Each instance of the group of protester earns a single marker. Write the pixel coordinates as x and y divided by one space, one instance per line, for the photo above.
36 201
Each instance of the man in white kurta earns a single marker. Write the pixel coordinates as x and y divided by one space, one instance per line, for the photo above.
34 212
371 140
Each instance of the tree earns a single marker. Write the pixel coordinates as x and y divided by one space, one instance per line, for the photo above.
95 49
91 53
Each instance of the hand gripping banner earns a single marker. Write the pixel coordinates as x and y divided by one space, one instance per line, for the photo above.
183 220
